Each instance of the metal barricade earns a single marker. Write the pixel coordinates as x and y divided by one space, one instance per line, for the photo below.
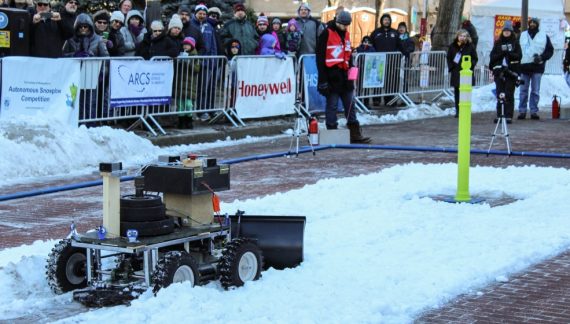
386 82
482 74
199 87
555 64
301 95
425 74
94 93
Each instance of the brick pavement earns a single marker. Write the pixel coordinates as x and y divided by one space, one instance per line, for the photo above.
541 294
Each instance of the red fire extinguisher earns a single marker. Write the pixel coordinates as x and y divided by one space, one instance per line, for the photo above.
314 131
556 107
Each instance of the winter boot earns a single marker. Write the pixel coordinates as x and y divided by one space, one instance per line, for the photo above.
356 135
188 123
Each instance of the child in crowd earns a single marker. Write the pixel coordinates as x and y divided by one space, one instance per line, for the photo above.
186 89
294 36
268 46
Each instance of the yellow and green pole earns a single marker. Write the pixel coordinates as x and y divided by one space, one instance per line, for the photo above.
464 133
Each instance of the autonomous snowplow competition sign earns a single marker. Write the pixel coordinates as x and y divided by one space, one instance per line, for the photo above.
41 87
141 83
265 87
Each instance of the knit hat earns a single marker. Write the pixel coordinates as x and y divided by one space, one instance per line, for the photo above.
402 24
276 21
101 15
262 19
117 15
202 7
175 21
344 18
42 1
156 25
304 5
215 10
189 40
184 9
535 20
508 26
239 7
294 22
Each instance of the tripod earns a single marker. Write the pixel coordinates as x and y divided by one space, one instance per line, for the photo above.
502 121
299 129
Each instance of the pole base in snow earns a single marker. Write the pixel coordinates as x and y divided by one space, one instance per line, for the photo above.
452 200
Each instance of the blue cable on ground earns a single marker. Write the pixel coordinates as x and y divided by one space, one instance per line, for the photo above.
302 150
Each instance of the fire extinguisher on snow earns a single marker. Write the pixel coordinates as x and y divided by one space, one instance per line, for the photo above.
314 131
556 107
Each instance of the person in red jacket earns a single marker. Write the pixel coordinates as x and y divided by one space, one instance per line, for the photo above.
334 59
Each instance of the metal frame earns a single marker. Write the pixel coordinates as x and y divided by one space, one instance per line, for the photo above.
150 253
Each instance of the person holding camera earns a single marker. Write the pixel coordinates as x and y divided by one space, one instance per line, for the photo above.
334 59
504 62
462 46
47 32
536 50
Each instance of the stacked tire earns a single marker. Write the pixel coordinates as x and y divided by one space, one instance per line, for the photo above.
146 214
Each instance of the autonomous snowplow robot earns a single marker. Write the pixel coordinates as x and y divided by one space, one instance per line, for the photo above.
168 232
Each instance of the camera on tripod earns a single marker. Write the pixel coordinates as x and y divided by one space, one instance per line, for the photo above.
503 72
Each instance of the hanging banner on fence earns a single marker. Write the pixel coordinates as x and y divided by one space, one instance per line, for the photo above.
141 83
314 101
265 87
374 67
42 87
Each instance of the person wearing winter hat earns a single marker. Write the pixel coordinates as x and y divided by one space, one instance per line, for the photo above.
233 49
115 36
185 75
334 59
175 31
386 39
241 29
133 32
310 27
189 29
263 29
294 36
504 62
262 24
408 45
208 74
281 35
536 50
156 43
101 19
365 45
215 18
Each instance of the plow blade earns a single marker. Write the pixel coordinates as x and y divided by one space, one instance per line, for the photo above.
280 238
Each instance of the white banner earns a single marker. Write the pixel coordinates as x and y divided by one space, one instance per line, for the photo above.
265 87
141 83
42 87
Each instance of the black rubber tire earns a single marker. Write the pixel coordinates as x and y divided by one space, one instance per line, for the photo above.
132 201
147 214
66 268
228 267
161 227
167 266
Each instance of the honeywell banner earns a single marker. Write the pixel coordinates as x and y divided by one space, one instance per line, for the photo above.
141 83
265 87
47 88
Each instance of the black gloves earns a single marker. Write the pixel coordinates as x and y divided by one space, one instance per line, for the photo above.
537 59
566 66
323 88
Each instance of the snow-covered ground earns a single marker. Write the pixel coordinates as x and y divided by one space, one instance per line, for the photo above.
382 254
37 148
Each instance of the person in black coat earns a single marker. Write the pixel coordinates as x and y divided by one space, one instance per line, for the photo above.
504 62
156 43
386 39
47 32
461 46
334 59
